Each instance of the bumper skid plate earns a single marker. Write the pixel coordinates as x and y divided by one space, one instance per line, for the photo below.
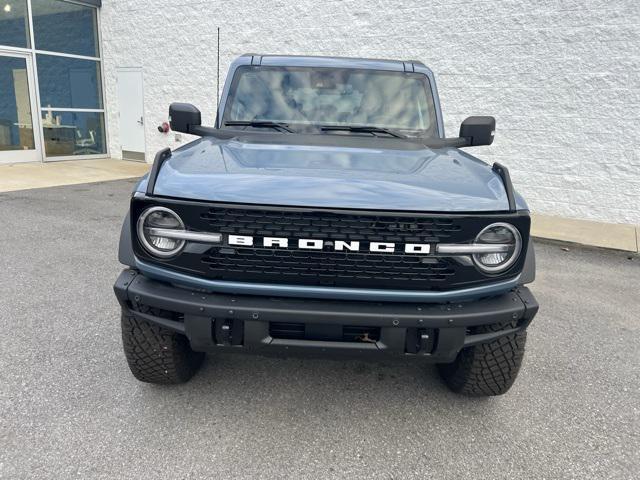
306 326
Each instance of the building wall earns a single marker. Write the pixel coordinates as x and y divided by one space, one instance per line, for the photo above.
562 77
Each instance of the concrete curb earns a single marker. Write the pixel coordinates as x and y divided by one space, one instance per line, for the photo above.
586 232
26 176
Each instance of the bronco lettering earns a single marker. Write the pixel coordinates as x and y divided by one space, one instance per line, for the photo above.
338 245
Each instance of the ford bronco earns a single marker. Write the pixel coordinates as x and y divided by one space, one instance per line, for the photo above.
325 212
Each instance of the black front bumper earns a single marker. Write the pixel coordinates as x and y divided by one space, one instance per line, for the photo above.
291 325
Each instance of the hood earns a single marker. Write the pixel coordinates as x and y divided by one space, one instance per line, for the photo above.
331 171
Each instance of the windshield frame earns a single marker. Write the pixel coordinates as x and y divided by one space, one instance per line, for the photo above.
432 99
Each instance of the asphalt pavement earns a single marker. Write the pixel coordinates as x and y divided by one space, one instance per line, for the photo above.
69 408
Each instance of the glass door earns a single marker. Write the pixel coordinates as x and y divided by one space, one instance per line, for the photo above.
19 128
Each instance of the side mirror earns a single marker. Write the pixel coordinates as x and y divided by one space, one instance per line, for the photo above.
183 117
478 130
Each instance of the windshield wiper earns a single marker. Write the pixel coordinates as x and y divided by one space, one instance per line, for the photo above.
259 124
361 129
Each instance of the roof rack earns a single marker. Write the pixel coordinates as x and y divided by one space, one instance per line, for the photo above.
160 158
503 172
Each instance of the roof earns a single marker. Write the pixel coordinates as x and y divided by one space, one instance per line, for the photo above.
323 61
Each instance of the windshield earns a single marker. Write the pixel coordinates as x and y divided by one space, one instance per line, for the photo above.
305 97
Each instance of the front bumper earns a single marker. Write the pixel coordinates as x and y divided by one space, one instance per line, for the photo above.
264 325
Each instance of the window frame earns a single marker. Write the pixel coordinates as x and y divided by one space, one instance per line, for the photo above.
72 2
34 52
28 37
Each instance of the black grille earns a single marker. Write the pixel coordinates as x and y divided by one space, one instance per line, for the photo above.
287 330
338 333
297 224
328 267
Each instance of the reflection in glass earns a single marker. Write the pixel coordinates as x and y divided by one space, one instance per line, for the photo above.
65 27
69 82
73 133
333 96
16 124
14 24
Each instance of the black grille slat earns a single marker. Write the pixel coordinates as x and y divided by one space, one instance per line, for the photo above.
287 330
344 333
334 226
369 227
327 264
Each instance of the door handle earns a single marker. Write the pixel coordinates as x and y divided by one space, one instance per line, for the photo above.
141 121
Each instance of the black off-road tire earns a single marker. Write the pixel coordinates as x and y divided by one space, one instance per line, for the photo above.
157 355
489 368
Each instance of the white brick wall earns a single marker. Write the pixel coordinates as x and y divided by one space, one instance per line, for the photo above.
562 77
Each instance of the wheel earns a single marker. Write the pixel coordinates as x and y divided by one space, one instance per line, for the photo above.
156 354
489 368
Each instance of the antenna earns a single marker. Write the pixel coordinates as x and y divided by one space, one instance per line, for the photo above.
218 80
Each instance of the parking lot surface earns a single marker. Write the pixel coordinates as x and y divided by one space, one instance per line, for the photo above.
69 408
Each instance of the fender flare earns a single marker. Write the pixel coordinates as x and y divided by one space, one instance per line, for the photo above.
125 247
529 270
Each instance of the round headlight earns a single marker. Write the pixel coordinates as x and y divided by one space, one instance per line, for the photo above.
154 226
505 235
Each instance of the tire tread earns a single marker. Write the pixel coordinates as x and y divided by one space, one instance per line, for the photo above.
156 354
487 369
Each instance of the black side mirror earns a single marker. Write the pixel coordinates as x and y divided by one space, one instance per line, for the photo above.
478 130
183 117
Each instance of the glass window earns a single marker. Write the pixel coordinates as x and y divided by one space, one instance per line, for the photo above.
73 133
14 24
16 126
69 82
333 96
65 27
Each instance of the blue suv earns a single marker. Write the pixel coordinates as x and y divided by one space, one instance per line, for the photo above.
325 212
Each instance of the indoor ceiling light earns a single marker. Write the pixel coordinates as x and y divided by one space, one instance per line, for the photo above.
7 8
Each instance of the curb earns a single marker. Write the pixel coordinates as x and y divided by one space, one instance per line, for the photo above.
27 176
586 232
